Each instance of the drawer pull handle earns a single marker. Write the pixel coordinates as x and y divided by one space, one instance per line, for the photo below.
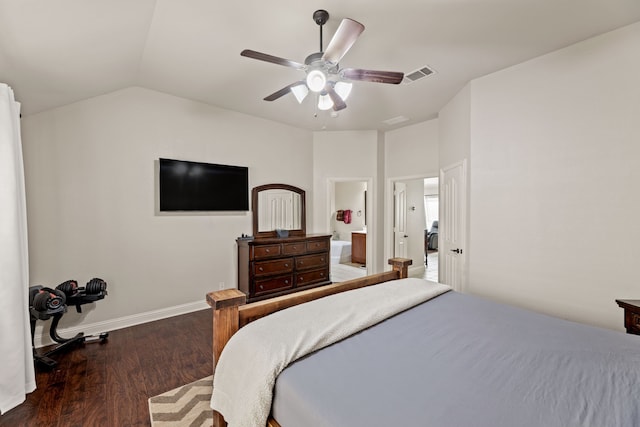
301 279
260 268
286 265
286 282
322 259
261 287
268 250
295 247
321 274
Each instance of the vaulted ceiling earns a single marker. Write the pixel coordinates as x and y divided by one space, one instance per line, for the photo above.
58 52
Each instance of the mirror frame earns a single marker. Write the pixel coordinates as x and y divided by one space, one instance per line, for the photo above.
255 192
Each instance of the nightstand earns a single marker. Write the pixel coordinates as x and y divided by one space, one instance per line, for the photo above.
631 315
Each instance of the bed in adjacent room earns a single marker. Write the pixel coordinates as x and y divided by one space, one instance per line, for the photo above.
413 353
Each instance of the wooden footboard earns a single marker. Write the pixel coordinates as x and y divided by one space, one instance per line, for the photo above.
230 311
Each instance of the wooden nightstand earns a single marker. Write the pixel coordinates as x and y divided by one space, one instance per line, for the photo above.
631 315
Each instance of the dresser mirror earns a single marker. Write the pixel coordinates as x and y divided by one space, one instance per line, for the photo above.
278 207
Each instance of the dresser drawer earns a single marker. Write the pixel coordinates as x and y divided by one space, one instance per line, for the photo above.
274 284
311 261
312 276
317 245
277 266
294 248
266 251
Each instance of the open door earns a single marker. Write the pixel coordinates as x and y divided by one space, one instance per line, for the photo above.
452 225
400 220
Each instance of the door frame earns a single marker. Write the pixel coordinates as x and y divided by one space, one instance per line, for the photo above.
389 214
369 214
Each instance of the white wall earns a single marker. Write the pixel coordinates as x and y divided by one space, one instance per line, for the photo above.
345 155
454 144
412 151
555 180
90 192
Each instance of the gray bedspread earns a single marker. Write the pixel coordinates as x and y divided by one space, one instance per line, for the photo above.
463 361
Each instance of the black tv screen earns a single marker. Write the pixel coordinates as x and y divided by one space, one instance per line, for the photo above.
195 186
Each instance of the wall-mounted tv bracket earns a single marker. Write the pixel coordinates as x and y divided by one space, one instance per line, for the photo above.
46 303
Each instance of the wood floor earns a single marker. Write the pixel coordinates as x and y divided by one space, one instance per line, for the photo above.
107 385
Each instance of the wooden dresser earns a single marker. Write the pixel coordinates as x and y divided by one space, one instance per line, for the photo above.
269 267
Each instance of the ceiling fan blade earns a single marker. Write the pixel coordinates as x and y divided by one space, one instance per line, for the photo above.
273 59
345 36
391 77
282 92
338 103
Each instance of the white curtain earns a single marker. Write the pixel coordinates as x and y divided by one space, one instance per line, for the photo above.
17 377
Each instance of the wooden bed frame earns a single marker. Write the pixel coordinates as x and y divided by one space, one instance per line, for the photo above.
230 311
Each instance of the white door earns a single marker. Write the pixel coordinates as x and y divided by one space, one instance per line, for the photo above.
452 225
400 220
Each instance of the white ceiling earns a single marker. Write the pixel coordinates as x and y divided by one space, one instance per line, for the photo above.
56 52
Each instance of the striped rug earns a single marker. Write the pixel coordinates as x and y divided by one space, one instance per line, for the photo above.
186 406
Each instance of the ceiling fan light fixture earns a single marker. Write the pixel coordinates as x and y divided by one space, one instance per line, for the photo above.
343 89
300 92
325 102
316 80
323 74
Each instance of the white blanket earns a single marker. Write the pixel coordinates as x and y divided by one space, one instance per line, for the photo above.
251 361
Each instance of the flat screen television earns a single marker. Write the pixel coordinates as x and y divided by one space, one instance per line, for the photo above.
196 186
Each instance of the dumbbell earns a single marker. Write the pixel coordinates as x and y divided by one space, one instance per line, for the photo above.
70 288
48 299
95 286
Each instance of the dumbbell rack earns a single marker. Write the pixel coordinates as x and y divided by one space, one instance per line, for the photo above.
56 314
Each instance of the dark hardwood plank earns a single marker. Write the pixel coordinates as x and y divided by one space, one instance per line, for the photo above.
125 382
72 410
108 384
95 383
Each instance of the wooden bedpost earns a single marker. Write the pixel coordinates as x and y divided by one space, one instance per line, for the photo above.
401 265
225 305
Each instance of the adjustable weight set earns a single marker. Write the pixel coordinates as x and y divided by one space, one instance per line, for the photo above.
46 303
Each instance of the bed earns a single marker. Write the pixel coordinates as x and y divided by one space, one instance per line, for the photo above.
448 360
340 251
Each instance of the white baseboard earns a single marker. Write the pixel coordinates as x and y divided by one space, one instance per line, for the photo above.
42 338
416 270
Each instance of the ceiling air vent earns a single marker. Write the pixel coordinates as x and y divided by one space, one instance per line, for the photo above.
417 74
395 120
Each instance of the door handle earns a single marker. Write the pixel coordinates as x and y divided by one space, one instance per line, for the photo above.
458 251
406 236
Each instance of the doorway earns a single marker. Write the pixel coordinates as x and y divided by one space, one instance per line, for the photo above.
351 237
414 224
431 231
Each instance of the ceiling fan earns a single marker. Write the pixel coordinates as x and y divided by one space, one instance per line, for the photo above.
323 73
